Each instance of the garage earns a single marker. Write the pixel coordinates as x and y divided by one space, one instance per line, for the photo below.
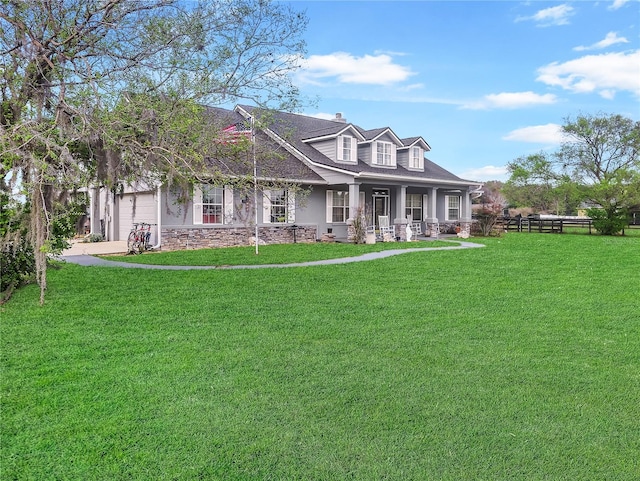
139 207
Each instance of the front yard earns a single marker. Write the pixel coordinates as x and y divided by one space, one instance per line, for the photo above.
518 361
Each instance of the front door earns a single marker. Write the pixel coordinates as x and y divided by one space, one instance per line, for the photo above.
380 204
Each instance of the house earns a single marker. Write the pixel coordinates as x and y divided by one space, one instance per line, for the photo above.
341 167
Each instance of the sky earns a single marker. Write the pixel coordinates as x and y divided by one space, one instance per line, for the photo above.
483 82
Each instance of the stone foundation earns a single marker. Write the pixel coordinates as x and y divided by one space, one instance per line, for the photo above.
451 227
432 229
465 229
201 237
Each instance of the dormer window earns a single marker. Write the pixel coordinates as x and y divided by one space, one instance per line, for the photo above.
384 154
347 149
416 158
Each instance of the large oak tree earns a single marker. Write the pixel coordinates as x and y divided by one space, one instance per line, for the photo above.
112 90
602 155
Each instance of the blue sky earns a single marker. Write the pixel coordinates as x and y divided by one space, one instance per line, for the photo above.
484 82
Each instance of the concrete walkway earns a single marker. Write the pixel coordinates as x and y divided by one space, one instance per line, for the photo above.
86 257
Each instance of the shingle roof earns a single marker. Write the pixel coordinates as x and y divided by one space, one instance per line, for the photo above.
294 128
373 133
283 164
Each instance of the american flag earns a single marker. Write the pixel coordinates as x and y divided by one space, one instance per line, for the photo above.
237 131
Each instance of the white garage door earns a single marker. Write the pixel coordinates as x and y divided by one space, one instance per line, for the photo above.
140 207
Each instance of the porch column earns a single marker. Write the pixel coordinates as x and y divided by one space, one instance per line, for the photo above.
431 211
354 199
466 206
354 204
465 215
111 214
400 221
431 219
401 204
94 211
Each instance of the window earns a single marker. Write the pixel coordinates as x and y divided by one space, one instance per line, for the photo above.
278 206
453 207
414 207
337 206
347 148
416 158
212 204
384 153
278 210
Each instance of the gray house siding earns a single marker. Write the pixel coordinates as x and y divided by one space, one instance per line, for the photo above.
402 157
326 147
390 184
179 231
364 153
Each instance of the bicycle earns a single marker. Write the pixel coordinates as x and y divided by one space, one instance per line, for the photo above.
139 238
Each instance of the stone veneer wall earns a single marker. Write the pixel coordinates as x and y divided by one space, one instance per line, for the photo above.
201 237
448 227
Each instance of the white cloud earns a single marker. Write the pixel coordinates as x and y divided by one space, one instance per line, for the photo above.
368 69
611 39
511 100
537 134
391 53
552 16
617 4
605 74
488 172
412 87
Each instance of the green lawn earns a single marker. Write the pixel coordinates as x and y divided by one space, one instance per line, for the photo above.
269 254
518 361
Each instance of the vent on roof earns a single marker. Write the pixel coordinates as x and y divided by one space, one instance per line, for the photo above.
339 118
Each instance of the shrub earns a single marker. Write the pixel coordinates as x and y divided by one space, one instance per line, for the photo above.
17 259
487 218
18 266
359 225
609 221
94 238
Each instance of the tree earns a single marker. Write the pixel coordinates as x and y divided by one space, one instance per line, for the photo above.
598 163
535 182
492 206
603 154
113 90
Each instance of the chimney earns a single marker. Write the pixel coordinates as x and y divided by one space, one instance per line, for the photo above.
339 118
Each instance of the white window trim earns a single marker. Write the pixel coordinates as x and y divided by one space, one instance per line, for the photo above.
446 207
227 206
353 153
425 206
266 207
374 154
348 213
419 159
420 206
329 208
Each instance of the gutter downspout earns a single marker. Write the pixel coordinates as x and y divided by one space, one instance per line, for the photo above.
159 224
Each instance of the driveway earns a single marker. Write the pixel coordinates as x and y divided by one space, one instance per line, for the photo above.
79 248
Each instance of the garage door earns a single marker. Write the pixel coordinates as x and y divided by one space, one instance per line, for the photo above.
140 207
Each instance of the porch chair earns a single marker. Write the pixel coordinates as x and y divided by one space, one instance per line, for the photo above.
387 232
416 227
